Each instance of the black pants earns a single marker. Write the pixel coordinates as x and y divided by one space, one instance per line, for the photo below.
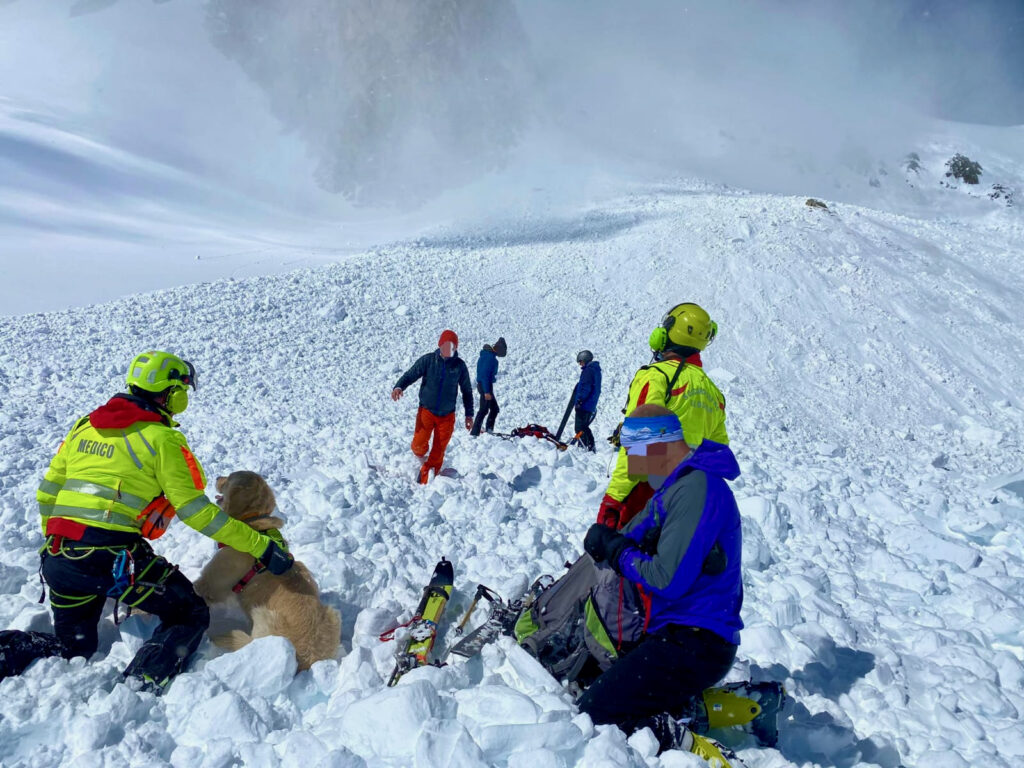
662 674
79 579
488 409
582 428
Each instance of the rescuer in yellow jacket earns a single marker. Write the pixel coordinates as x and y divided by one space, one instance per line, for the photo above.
676 380
120 476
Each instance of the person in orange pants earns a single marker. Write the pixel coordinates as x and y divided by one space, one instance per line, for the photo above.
441 427
443 375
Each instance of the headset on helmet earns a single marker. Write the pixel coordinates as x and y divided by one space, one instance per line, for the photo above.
685 325
156 372
585 356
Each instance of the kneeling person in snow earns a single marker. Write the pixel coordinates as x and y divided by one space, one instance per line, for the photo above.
684 551
443 373
122 473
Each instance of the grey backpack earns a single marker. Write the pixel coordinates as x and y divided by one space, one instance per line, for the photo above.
589 613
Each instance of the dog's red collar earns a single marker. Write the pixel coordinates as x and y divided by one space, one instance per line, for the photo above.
243 582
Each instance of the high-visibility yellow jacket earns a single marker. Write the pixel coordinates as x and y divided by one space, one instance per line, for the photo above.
687 391
117 460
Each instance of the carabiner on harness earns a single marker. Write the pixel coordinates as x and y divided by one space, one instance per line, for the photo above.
123 572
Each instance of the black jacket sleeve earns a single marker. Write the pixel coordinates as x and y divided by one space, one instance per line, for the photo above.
413 374
467 390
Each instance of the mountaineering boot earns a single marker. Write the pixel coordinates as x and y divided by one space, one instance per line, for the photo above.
755 706
673 734
147 684
765 727
716 755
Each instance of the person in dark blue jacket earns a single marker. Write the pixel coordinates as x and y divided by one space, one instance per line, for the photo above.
684 551
486 372
588 390
444 374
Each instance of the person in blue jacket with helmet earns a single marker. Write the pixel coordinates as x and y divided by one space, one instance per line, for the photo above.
588 391
683 551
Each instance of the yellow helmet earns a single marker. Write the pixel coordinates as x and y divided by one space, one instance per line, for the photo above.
157 371
685 325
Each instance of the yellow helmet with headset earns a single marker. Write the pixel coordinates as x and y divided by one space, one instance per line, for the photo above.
685 325
154 372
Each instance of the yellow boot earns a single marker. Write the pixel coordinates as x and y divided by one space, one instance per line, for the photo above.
710 750
754 705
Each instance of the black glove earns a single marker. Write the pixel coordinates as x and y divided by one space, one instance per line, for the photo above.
602 543
276 559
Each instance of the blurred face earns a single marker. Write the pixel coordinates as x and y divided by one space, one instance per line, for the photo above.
658 459
447 349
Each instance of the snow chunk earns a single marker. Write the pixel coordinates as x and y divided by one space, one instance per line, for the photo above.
926 545
499 740
264 667
300 747
211 719
722 376
773 520
645 742
536 758
387 724
12 579
830 450
89 733
523 672
976 433
447 744
609 749
333 311
494 704
357 671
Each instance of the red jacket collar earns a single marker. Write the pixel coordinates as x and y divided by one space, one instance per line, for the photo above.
121 411
693 359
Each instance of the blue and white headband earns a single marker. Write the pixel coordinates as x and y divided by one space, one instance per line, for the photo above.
644 430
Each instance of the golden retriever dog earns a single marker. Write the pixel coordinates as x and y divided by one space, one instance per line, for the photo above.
287 605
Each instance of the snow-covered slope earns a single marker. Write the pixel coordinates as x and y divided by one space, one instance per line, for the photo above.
871 364
870 356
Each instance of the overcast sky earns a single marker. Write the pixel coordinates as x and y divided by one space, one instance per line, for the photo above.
396 102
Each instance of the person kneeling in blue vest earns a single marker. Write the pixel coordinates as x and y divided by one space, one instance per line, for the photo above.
684 551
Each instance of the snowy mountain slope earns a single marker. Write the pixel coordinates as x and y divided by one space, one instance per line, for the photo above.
871 366
100 222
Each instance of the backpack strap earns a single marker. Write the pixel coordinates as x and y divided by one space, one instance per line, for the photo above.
673 380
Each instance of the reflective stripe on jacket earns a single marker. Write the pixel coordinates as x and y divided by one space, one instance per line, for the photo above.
104 477
694 398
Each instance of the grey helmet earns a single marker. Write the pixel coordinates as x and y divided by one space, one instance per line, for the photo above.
585 356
